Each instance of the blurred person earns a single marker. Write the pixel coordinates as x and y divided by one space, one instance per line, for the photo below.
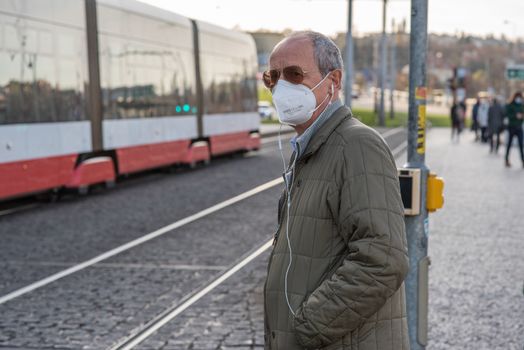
474 119
515 115
495 124
339 259
482 119
458 112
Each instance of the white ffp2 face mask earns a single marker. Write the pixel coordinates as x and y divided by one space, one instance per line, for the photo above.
295 103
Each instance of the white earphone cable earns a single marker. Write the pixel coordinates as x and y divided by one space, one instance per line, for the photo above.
287 235
289 188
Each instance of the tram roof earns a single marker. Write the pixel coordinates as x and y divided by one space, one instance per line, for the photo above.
147 10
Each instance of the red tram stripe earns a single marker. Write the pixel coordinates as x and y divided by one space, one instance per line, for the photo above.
27 176
136 158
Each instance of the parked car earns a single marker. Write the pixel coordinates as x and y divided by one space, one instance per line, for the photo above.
266 110
355 92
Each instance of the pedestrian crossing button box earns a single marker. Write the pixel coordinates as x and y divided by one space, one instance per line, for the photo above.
410 190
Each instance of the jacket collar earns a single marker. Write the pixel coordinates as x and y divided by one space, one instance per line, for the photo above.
300 142
326 130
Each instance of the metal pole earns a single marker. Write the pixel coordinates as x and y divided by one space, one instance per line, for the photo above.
198 79
393 71
349 57
94 106
417 227
376 74
383 62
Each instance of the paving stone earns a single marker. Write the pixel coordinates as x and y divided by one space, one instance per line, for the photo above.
476 245
476 299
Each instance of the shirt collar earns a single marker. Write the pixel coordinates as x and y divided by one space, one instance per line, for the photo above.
300 142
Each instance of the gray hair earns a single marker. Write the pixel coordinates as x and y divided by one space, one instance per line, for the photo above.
326 52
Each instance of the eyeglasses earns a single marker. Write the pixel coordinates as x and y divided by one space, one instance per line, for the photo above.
293 74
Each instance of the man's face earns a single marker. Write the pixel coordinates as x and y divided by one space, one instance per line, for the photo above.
298 51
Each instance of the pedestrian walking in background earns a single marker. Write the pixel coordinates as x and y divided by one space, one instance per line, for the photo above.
482 119
474 119
515 115
458 114
339 259
495 124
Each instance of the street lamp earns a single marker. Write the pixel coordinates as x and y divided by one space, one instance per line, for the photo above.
514 54
514 44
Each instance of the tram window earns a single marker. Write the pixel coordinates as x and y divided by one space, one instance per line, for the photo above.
228 85
45 97
228 74
30 41
142 80
45 43
69 12
37 82
146 65
69 75
11 36
11 93
66 45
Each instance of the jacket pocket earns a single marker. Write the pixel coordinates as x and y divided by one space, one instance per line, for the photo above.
333 266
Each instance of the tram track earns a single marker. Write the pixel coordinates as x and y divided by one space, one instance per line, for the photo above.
16 206
271 139
168 228
142 333
137 336
136 242
19 208
129 245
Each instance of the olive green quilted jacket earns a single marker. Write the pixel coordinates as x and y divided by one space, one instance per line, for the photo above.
349 251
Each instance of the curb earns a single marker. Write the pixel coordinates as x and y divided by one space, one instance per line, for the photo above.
275 133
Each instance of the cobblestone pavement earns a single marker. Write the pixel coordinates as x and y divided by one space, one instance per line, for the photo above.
230 317
96 307
79 228
476 279
477 248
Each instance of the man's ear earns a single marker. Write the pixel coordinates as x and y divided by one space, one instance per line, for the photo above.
336 77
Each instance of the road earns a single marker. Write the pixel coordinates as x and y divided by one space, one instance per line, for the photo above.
171 292
102 304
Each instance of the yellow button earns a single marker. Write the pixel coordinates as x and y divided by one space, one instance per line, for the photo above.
435 195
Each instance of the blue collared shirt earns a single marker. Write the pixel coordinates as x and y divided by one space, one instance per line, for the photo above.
300 142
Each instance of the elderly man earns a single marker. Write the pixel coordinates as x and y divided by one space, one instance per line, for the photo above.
336 272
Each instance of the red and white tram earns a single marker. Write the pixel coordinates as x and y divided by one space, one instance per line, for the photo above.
91 89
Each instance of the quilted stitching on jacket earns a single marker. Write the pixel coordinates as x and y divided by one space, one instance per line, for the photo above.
349 247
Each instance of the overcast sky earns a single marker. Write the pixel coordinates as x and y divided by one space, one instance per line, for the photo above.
479 17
